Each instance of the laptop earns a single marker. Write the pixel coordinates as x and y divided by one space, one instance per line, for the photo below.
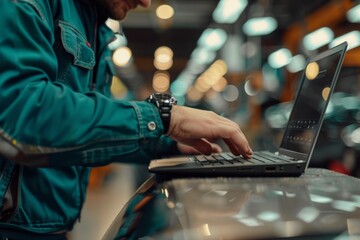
294 153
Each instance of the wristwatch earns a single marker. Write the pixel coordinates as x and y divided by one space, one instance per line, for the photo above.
164 103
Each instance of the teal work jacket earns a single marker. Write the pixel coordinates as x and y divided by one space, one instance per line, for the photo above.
57 119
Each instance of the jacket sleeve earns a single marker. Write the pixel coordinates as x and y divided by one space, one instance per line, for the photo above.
44 119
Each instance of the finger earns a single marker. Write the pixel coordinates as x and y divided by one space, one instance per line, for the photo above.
201 145
233 149
237 141
215 147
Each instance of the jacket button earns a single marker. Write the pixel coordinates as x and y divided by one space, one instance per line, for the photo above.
151 126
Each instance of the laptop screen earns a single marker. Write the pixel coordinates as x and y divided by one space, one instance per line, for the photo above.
310 103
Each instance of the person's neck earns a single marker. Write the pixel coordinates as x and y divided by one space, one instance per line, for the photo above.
101 15
87 1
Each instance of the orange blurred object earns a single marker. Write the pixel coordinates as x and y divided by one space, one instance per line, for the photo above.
98 175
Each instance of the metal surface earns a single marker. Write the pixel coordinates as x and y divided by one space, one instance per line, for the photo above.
319 205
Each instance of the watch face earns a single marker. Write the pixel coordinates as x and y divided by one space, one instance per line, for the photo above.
165 98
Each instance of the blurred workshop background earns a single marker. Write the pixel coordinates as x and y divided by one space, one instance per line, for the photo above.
241 59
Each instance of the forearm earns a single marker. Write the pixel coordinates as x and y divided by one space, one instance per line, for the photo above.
41 115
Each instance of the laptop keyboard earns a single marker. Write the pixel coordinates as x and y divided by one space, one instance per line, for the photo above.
227 158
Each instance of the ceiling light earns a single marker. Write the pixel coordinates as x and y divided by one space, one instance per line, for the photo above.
260 26
163 58
297 63
193 95
163 65
179 88
228 11
220 66
164 12
280 58
353 15
352 38
220 85
161 81
318 38
231 93
212 38
163 54
249 90
122 56
203 55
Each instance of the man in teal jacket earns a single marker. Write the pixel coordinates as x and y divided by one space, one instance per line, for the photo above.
57 119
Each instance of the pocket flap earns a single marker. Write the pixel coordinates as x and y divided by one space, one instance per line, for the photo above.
77 45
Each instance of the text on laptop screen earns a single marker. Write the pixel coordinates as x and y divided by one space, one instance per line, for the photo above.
310 104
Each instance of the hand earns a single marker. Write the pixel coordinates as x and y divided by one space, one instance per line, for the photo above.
196 128
188 150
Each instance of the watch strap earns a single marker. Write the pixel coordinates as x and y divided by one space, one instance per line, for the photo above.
164 103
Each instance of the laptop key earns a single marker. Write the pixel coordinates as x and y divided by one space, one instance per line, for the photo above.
255 161
280 157
211 159
218 157
264 158
227 157
228 162
259 159
239 160
201 158
198 162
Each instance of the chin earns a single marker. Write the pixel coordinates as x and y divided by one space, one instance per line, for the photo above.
114 10
118 15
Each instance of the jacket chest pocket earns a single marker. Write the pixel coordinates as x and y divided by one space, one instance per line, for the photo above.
76 58
77 45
